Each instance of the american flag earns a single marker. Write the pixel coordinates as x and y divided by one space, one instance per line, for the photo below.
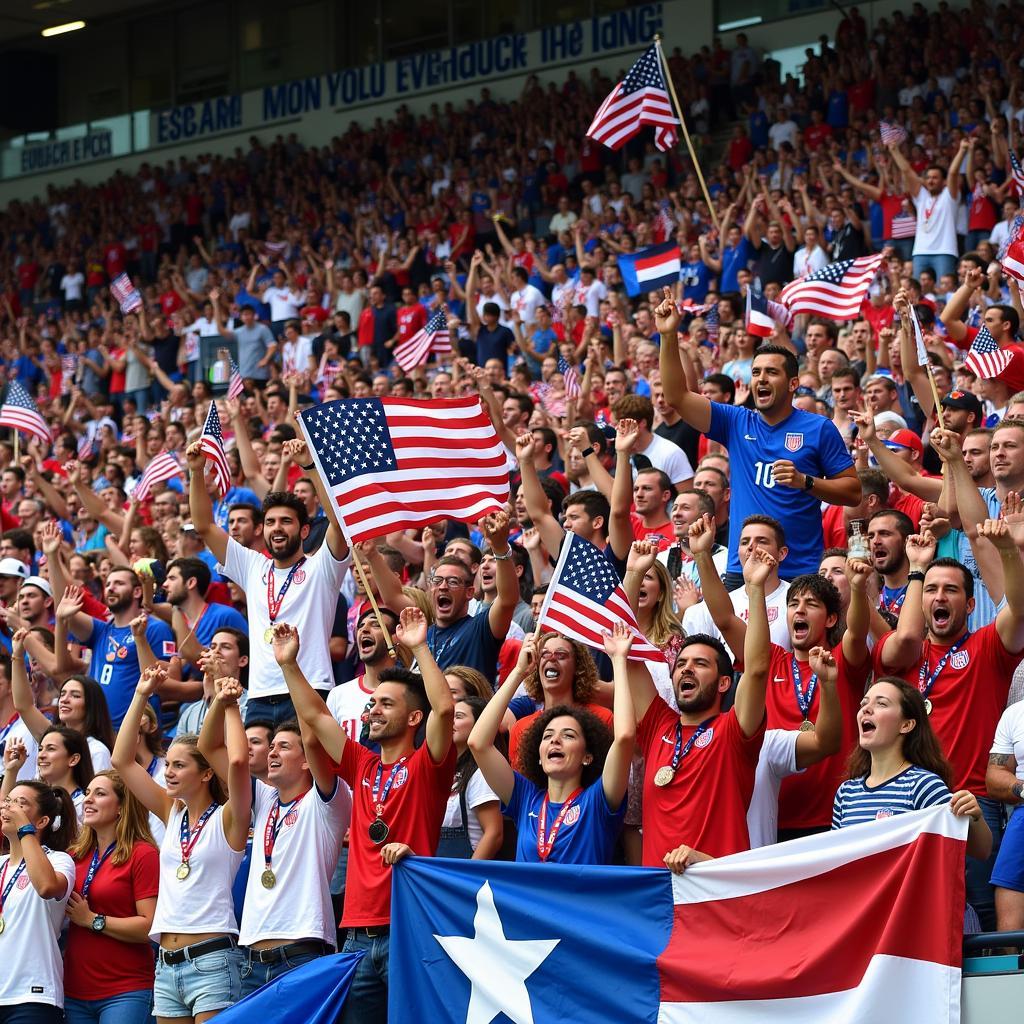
641 98
1016 226
88 447
212 443
127 295
711 323
986 358
19 412
432 337
892 134
163 466
585 599
1012 261
837 291
396 463
571 377
666 224
1017 172
235 385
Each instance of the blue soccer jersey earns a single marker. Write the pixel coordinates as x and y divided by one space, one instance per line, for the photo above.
812 443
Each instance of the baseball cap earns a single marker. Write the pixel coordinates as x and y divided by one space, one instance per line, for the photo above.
966 401
890 418
904 439
38 581
12 567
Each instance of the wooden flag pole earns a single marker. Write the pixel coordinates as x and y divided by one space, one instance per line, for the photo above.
686 134
17 447
935 396
361 573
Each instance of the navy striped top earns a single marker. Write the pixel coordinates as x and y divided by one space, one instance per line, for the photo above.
911 790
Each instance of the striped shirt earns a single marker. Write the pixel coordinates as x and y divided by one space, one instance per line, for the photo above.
911 790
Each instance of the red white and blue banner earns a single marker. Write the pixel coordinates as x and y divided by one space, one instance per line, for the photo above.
653 267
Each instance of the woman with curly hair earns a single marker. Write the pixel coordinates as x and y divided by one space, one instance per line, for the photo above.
568 799
563 673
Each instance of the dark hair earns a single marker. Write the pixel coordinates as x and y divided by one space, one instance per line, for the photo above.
773 524
705 502
712 469
1010 315
21 539
56 804
384 611
921 746
456 561
525 402
873 481
724 383
291 725
75 743
788 358
596 735
845 372
823 589
594 504
261 723
833 553
415 691
634 407
831 328
904 524
725 665
548 436
244 506
285 499
466 766
97 721
242 639
193 569
952 563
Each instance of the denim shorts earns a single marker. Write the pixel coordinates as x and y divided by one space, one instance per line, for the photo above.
206 984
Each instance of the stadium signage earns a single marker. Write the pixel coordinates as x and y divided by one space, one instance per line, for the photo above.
47 156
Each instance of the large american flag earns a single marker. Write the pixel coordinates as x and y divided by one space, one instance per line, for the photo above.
571 377
163 466
127 295
641 98
1017 173
432 337
585 599
892 134
985 357
395 463
212 443
19 412
837 291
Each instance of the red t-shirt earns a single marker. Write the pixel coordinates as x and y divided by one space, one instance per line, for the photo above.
908 504
518 731
170 302
1013 375
967 699
117 377
805 800
877 316
113 259
833 525
705 805
410 320
96 965
816 134
413 812
663 534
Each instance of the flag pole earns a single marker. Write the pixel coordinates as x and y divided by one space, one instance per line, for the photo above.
17 446
935 396
361 573
686 134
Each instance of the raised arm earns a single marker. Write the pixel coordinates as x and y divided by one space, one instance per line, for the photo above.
200 505
238 810
953 178
716 597
297 450
620 529
694 408
412 633
21 692
903 647
826 737
858 615
495 528
750 694
538 508
891 464
1010 620
615 776
911 182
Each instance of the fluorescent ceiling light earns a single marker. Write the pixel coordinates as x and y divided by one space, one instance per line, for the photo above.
71 26
741 23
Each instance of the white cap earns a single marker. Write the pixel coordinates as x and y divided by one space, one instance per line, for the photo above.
38 581
13 567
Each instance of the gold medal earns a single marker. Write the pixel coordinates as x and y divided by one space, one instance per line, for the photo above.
183 871
268 635
269 879
3 925
664 775
927 706
807 726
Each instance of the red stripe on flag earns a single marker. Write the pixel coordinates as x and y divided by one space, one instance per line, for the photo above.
791 934
665 259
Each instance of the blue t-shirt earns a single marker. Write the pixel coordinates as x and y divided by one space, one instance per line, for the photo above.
757 128
466 642
586 837
115 659
913 789
812 443
236 496
733 261
696 279
218 616
493 344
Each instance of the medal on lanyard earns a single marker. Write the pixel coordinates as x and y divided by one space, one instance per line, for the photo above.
270 834
926 686
188 840
804 699
546 843
378 829
95 864
274 603
666 773
5 890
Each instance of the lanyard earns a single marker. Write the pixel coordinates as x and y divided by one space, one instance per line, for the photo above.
379 804
9 726
679 752
188 838
803 699
95 864
153 766
273 829
926 687
546 842
192 627
77 793
274 603
10 885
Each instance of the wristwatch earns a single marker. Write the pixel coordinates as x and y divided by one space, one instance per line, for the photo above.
809 481
99 923
1018 790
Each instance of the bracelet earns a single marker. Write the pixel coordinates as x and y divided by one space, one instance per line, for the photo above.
502 558
915 577
587 452
306 469
26 830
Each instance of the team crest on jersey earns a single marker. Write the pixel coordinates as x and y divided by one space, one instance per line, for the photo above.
773 614
291 817
23 881
885 812
960 660
299 577
705 738
169 648
572 815
794 442
402 777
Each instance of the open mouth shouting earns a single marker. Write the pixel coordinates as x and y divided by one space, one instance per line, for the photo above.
763 393
801 631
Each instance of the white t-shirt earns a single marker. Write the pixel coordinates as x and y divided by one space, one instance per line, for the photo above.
238 222
99 754
304 857
71 285
936 224
309 606
1009 737
295 355
525 302
477 793
504 318
808 261
347 703
20 731
202 901
284 303
590 296
351 303
698 619
669 458
776 761
558 296
33 969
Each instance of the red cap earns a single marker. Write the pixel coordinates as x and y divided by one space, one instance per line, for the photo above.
317 313
905 439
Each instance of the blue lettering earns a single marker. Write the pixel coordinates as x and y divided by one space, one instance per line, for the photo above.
626 28
378 80
333 85
519 50
402 70
435 69
502 57
273 102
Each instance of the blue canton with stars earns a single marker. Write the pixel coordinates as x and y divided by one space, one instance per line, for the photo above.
588 572
644 74
351 438
984 342
833 273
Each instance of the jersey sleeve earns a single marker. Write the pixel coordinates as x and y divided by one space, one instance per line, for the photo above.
724 420
832 451
145 871
350 767
237 561
478 792
1002 742
519 802
653 723
161 639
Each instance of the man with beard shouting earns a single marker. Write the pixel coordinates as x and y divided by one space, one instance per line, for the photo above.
288 586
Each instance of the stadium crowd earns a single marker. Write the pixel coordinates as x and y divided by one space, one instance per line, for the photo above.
215 748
